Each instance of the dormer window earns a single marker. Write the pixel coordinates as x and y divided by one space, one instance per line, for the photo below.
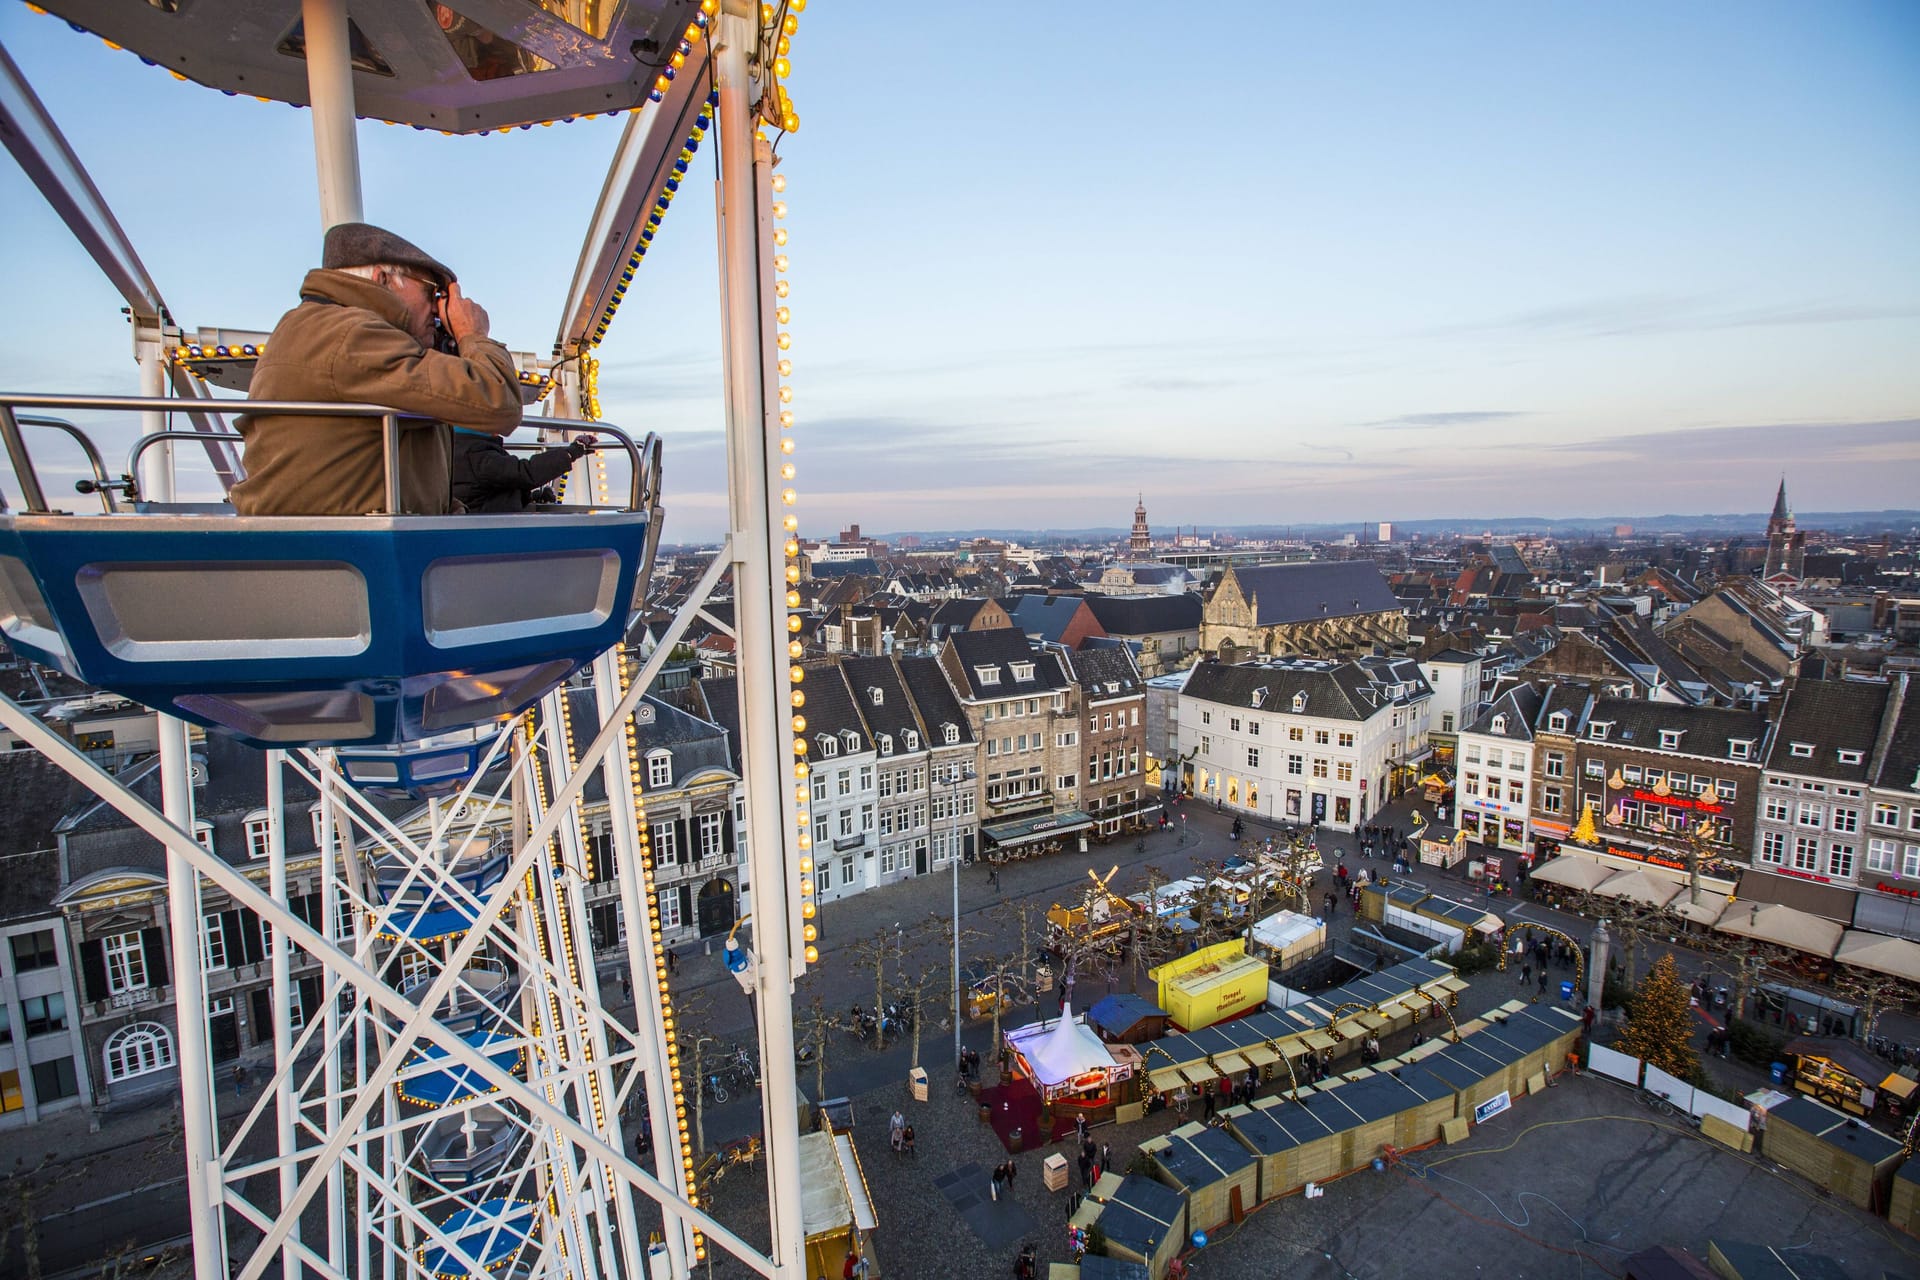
1598 730
1299 702
912 738
850 740
987 675
1740 749
1022 671
1259 696
1801 750
876 695
1849 757
1670 739
1499 724
828 745
1557 722
950 734
659 768
885 742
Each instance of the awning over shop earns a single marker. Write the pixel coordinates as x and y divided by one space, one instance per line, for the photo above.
1709 909
1895 957
1230 1064
1040 827
1419 757
1829 901
1638 886
1165 1079
1574 872
1782 926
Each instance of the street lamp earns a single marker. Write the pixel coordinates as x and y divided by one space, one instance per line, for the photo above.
957 776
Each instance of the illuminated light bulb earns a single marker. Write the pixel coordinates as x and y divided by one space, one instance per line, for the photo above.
780 235
779 208
677 61
780 288
799 746
793 599
800 769
793 622
806 888
788 496
709 7
786 393
781 46
809 932
786 473
783 314
786 446
786 417
779 182
692 34
790 24
795 649
790 122
813 955
786 367
793 575
780 262
781 68
798 698
799 724
766 14
806 910
661 83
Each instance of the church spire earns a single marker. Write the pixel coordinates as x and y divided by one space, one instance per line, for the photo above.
1780 502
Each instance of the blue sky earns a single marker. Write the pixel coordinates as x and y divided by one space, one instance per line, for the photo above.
1293 263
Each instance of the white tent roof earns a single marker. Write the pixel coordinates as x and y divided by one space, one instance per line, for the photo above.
1894 956
1060 1050
1283 928
1574 872
1782 925
1638 886
824 1204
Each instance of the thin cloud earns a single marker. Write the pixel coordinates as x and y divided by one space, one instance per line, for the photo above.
1457 418
1633 315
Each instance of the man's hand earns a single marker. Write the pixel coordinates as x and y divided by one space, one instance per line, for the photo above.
463 317
582 445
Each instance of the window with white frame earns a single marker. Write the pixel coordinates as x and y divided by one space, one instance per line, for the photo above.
1516 792
259 833
1596 769
1206 744
1346 739
843 783
866 817
1801 750
826 744
1343 771
1806 853
1881 856
1496 759
1469 784
126 962
1253 757
666 842
1840 860
659 768
866 777
1777 809
319 816
1670 739
822 829
1885 815
1913 819
1319 767
1740 749
1296 765
846 822
1812 815
1847 820
669 909
1321 737
136 1050
1551 800
912 738
986 675
1296 734
1910 861
889 860
711 835
1773 846
203 833
213 942
1555 765
949 734
1849 757
1557 722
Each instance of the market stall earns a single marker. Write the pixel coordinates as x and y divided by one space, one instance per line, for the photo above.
1835 1072
1143 1221
1834 1151
1067 1065
1903 1207
1217 1176
1286 938
836 1207
1442 846
1211 984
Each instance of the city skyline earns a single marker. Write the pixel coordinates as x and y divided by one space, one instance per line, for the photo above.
1476 265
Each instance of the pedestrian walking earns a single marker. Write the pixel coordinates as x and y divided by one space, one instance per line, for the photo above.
1526 972
999 1176
1206 1104
239 1079
673 962
993 878
1013 1171
626 986
1086 1169
1080 1128
896 1129
1543 979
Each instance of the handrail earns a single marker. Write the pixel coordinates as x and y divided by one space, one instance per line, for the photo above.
101 484
644 456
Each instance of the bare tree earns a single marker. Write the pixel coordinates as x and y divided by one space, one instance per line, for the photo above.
884 948
1027 920
818 1023
917 980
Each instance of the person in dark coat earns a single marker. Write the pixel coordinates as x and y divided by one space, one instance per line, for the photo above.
488 480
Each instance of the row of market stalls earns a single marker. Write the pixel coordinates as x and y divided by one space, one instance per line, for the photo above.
1205 1176
1769 922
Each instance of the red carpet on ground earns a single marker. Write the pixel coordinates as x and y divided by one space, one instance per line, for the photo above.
1016 1105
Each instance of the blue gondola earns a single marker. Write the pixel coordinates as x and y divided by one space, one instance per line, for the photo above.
436 766
313 631
492 1233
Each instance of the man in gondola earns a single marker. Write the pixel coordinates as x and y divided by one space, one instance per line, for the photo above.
381 323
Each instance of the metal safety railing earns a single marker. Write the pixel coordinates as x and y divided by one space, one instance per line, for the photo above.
643 455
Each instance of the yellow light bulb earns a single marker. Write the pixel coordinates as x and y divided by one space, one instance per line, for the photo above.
790 522
799 795
781 46
809 932
786 473
780 235
783 341
786 367
793 573
806 910
781 68
793 622
786 392
790 24
779 208
799 746
798 698
779 182
796 674
678 61
786 446
793 599
692 34
780 262
790 122
795 649
806 865
780 288
806 840
788 496
782 314
806 888
813 955
786 418
799 724
766 14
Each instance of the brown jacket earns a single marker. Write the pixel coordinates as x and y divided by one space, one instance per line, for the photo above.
347 341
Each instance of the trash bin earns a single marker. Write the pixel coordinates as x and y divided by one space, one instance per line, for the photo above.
1779 1073
1566 991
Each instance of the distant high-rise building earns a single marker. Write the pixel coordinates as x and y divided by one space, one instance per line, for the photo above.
1140 543
1386 531
1623 531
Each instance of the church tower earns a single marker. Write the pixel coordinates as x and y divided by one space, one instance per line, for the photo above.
1786 545
1140 544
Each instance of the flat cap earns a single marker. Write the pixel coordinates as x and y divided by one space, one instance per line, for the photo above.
361 244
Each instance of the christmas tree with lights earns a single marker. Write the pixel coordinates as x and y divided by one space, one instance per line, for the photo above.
1660 1022
1584 833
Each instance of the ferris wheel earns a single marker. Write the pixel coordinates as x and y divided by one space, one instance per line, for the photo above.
461 1102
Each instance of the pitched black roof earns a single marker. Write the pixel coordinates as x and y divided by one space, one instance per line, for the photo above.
1518 705
881 695
1900 765
1000 649
1146 615
934 699
1283 593
1705 731
1044 618
1830 716
1096 669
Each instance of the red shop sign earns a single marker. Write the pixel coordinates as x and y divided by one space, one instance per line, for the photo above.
1899 890
1677 802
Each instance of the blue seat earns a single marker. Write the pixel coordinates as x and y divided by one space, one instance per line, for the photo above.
323 631
436 766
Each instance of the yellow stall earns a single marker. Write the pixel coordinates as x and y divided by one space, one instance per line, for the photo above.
1210 985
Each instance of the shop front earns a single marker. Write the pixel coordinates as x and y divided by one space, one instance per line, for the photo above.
1068 1067
1038 833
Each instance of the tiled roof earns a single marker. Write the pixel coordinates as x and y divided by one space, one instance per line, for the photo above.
1000 650
1283 593
1829 716
1146 615
933 698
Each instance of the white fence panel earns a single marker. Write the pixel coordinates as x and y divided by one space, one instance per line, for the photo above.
1705 1104
1672 1088
1612 1063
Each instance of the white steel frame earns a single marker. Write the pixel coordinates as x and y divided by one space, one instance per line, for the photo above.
321 1171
